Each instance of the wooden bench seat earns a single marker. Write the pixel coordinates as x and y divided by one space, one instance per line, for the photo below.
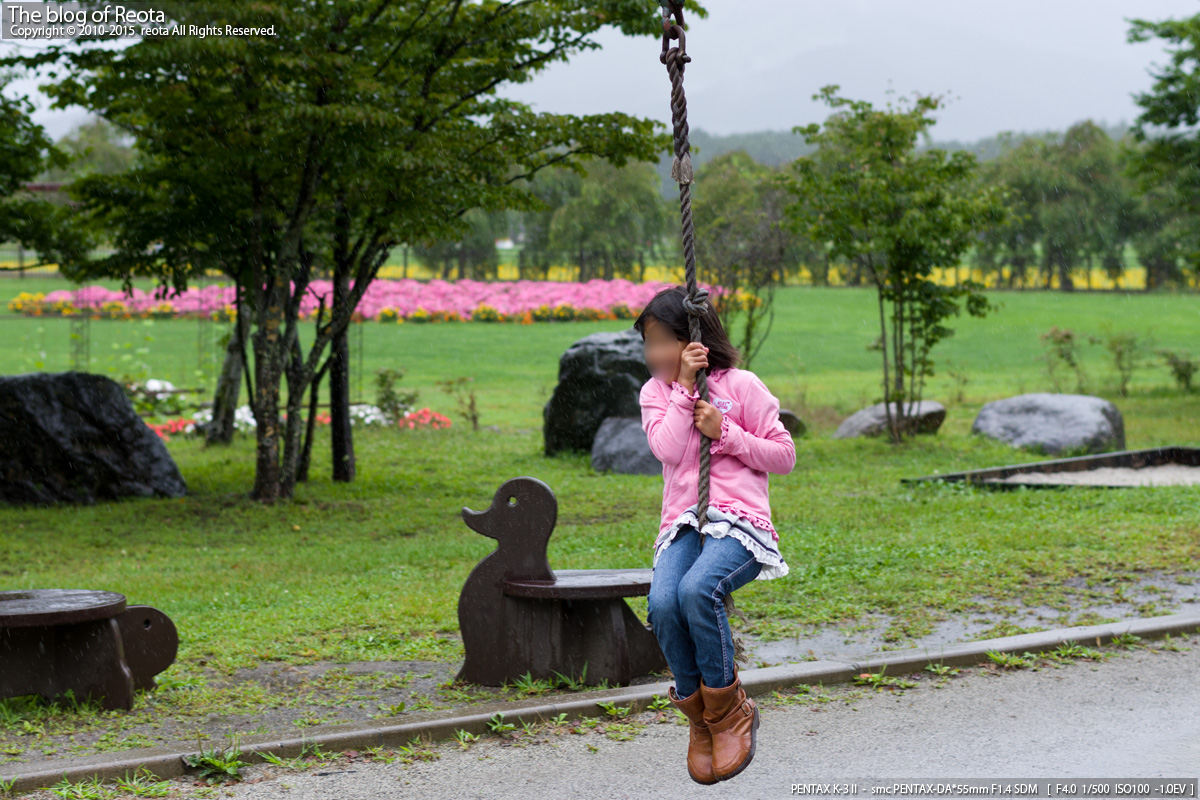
583 584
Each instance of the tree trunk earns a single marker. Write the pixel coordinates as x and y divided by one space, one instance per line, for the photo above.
314 395
293 430
1065 283
229 384
898 362
341 430
267 374
883 336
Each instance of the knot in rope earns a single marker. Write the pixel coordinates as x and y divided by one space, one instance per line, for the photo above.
681 169
696 302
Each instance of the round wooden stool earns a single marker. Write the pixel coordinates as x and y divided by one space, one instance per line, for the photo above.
86 642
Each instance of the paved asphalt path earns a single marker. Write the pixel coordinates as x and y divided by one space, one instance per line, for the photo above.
1135 715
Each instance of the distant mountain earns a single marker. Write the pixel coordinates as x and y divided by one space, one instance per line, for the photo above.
780 147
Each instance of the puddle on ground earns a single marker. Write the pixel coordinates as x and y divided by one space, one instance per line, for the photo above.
864 637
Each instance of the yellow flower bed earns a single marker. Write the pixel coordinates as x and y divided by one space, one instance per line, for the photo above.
27 303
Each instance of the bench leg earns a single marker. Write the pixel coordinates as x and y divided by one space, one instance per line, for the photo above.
85 658
645 653
598 640
150 642
615 643
537 641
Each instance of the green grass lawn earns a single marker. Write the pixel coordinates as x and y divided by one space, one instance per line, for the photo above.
371 570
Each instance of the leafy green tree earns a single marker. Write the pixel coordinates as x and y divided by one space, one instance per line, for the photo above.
616 216
743 243
898 213
553 188
1024 170
1075 208
1087 216
1166 163
94 146
47 228
473 254
1160 231
357 127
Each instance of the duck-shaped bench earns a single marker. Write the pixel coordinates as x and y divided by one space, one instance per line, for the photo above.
517 615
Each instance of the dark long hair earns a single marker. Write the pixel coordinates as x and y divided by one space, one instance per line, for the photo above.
667 308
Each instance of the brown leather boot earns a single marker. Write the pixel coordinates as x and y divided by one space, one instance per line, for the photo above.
700 751
732 719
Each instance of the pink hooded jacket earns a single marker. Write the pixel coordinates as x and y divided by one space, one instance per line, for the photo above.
753 442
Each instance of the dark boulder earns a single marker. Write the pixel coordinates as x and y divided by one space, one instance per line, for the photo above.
73 437
792 423
599 376
1053 423
621 446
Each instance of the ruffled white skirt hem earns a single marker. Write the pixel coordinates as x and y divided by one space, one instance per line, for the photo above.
759 542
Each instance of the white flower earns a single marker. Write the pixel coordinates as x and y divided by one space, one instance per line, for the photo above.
159 389
243 418
368 415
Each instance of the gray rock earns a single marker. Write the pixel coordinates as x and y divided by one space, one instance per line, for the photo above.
927 417
72 437
598 377
792 422
621 446
1054 423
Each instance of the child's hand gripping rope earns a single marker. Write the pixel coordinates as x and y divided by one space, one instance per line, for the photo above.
693 358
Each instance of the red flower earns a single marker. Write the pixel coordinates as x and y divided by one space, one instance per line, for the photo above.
424 418
164 429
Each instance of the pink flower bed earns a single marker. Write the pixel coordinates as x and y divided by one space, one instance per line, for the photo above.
391 298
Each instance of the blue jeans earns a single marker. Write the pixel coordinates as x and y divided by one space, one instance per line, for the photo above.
687 606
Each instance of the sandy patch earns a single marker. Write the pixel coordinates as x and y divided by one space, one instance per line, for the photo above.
1161 475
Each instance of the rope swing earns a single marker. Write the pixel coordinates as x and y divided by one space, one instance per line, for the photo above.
696 300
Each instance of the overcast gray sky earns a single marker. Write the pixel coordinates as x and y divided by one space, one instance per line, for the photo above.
1012 65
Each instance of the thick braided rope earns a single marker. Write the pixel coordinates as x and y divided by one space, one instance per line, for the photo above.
696 301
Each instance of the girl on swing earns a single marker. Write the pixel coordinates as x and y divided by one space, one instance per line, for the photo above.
692 575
